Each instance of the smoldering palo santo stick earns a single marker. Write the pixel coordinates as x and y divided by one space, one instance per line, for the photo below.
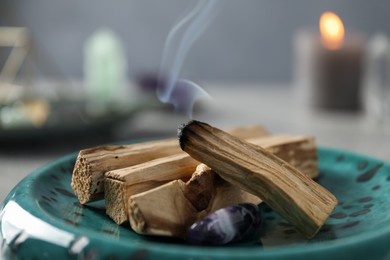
92 163
296 197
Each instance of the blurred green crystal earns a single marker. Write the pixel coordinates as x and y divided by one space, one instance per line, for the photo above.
105 69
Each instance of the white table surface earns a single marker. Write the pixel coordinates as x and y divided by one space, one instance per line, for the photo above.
273 106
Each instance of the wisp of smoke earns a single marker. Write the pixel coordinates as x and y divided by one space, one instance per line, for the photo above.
170 89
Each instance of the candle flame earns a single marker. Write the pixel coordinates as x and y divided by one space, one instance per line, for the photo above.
332 30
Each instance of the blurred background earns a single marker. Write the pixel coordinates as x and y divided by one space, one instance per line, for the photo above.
249 40
86 72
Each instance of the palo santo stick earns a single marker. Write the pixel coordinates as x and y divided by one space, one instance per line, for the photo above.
299 151
169 210
92 163
177 214
296 197
122 183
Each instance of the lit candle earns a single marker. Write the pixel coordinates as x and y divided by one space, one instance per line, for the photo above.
333 65
332 31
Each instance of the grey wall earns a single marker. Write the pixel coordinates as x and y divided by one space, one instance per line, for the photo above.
249 40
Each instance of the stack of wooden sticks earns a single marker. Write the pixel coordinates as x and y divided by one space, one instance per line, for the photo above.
162 187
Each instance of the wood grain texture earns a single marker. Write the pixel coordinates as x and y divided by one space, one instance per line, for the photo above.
143 177
292 194
170 209
163 211
299 151
138 178
92 163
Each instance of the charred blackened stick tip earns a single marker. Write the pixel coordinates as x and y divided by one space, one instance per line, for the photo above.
182 132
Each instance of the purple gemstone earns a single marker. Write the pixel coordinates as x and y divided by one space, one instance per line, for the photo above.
147 82
225 225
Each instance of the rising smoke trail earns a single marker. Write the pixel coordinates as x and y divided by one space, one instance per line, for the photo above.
177 44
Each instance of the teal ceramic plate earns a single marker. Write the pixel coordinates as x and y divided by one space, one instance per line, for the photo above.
42 219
